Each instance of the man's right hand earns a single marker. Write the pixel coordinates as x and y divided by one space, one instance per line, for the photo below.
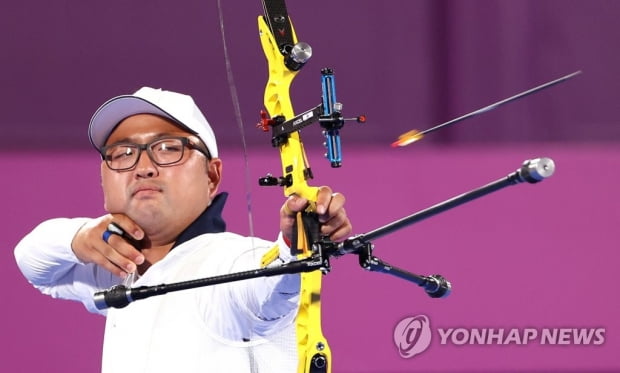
117 255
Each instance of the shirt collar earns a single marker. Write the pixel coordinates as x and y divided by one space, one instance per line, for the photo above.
210 221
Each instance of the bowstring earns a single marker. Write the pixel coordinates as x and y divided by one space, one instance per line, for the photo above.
237 109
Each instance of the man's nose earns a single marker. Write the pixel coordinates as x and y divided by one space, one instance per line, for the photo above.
145 166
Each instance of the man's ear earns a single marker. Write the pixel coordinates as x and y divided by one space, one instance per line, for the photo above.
214 171
105 200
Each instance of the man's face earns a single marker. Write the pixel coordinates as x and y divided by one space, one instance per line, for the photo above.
162 200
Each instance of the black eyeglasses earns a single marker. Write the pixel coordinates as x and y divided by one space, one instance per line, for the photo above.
163 152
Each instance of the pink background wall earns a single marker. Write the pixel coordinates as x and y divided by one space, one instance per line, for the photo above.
529 256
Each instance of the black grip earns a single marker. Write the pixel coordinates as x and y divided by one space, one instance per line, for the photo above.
311 227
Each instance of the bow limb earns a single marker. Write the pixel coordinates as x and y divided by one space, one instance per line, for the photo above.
313 350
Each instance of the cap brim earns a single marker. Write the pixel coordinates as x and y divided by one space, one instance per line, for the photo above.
110 114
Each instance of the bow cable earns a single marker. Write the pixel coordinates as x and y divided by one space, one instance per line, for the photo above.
238 118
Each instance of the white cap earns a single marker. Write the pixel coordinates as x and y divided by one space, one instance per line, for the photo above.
177 107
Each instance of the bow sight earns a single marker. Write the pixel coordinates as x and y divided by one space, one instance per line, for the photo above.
328 114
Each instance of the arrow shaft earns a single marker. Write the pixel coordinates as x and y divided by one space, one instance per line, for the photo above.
502 102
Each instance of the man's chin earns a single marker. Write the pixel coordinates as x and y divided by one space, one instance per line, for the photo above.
147 216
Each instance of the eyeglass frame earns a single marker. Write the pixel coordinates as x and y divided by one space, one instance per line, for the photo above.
185 141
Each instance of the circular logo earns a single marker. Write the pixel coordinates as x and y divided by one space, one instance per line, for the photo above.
412 335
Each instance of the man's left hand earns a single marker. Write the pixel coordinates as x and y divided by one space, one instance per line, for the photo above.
330 209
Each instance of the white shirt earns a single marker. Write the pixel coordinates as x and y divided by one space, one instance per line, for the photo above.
244 326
